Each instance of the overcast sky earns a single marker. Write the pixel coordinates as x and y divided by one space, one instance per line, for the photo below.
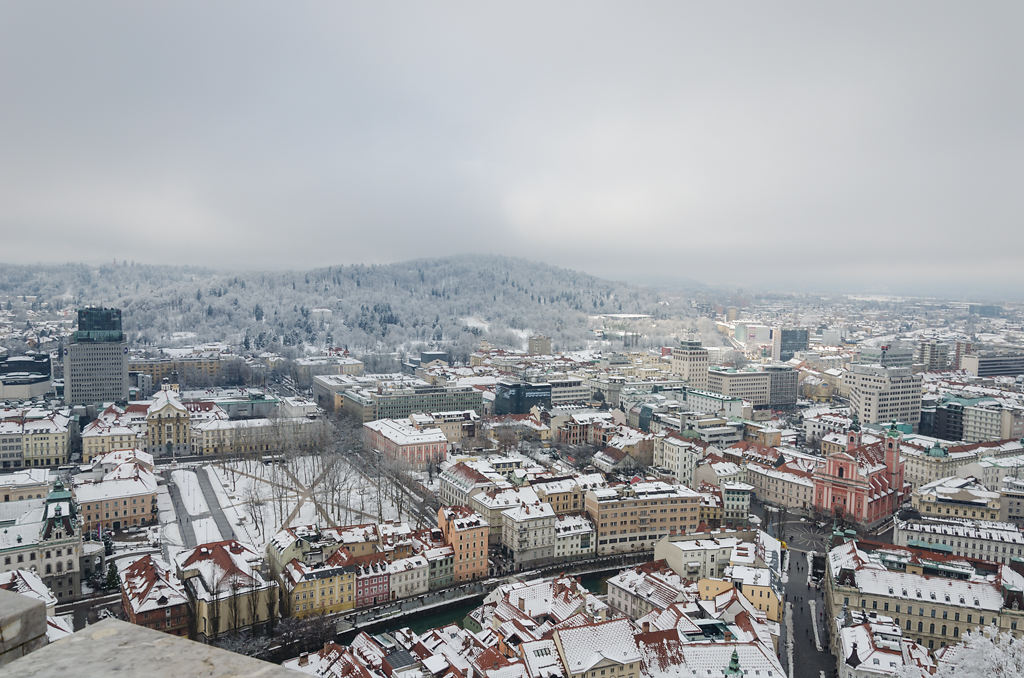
868 146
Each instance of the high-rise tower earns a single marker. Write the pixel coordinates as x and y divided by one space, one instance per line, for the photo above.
96 359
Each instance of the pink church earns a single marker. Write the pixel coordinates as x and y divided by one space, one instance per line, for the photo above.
863 484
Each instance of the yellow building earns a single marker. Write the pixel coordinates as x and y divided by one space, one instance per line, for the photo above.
101 437
26 484
225 590
121 498
308 590
466 532
168 425
567 496
200 368
758 591
935 601
955 497
46 442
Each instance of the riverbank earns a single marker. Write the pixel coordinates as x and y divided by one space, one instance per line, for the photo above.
421 616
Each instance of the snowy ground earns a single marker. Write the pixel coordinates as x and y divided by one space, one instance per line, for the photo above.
259 499
191 493
206 530
170 533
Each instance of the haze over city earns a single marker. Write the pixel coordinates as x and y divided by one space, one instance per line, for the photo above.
582 339
795 146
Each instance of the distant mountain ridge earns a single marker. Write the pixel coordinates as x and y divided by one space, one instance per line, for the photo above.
451 301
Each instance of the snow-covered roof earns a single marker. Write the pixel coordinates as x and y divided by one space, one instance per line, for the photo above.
28 583
220 569
880 646
872 577
542 660
126 480
986 530
571 525
401 432
27 477
149 584
711 659
584 647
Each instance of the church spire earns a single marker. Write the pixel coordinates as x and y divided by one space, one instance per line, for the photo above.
853 660
733 669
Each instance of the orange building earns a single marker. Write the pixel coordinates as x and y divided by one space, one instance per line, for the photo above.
465 531
123 496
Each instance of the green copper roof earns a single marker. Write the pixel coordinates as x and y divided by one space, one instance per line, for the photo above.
58 493
733 669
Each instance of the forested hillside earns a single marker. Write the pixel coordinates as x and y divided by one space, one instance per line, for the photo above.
451 302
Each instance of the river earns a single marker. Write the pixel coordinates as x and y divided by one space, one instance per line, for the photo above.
456 612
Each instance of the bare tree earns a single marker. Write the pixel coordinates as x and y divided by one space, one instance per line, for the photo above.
506 436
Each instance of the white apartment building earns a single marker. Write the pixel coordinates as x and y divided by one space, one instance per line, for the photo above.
567 390
409 576
708 555
816 428
461 481
641 590
884 394
753 385
736 500
781 487
714 403
493 501
679 456
528 533
991 422
574 538
34 443
989 462
690 361
981 539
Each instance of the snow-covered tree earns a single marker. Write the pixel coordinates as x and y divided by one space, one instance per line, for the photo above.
983 654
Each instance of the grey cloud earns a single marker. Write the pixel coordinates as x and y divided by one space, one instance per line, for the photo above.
775 144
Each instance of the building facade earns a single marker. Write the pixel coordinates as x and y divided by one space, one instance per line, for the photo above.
630 518
528 533
466 532
865 483
880 394
401 442
690 361
45 536
96 359
225 590
152 596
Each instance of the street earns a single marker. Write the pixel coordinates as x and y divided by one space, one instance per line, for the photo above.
807 604
803 615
